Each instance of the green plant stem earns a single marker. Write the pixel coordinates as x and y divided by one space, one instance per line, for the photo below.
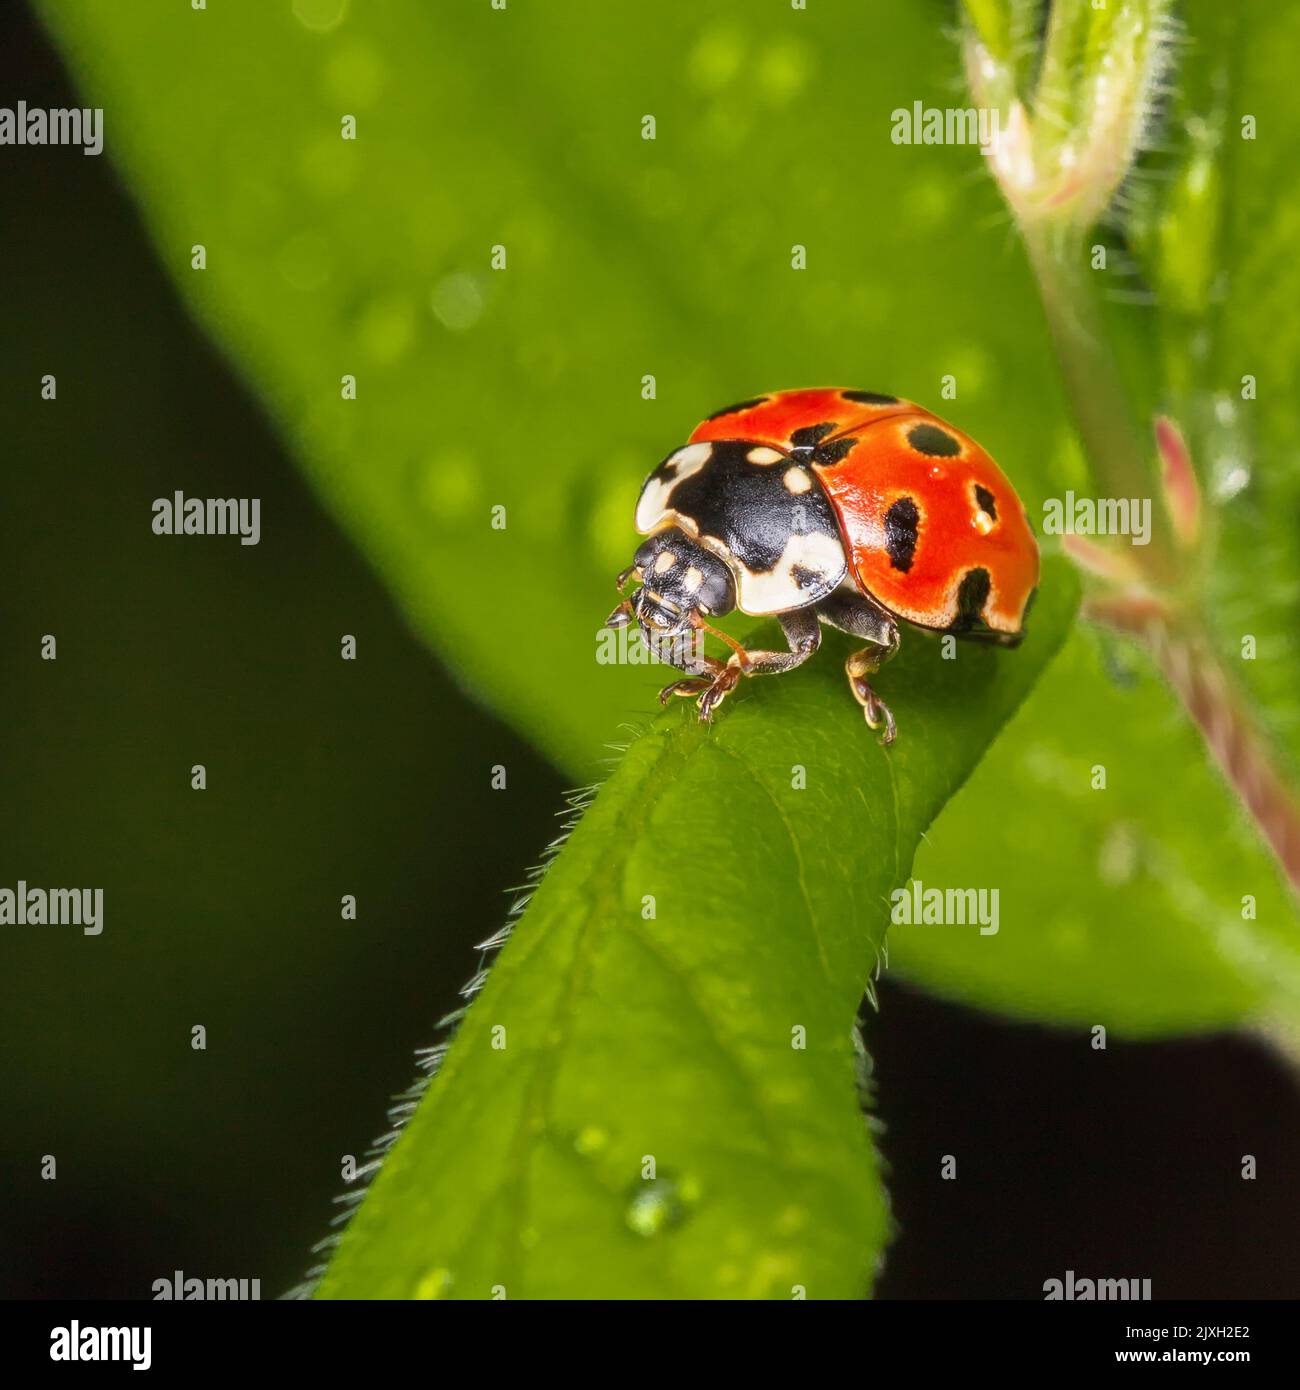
1121 461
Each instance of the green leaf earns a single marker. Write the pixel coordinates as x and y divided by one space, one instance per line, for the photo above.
611 1033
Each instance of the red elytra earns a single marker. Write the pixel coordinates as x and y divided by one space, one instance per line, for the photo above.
872 452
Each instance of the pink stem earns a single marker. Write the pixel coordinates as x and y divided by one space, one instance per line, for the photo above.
1190 665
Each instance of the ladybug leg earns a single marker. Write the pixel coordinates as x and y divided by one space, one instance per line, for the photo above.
720 687
712 689
702 670
803 635
694 685
858 667
857 615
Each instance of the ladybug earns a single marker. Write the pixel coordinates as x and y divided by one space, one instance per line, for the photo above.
826 506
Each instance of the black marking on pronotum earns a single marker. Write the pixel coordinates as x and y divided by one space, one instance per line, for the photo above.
869 398
900 533
931 440
986 503
833 450
748 507
805 440
971 598
739 406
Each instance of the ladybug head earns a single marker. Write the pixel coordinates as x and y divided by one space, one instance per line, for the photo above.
680 580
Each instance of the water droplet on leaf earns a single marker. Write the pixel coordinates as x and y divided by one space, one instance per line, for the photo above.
659 1204
457 301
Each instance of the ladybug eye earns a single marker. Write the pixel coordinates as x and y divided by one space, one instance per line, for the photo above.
716 593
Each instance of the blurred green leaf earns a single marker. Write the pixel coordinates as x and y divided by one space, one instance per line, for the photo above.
1152 905
768 847
1121 905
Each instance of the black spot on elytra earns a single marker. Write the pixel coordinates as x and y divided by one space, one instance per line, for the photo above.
869 398
739 406
971 598
931 440
804 441
833 450
900 533
986 503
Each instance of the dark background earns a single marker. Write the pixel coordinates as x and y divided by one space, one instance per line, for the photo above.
372 777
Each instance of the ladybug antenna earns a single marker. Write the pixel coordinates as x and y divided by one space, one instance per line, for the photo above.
697 622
